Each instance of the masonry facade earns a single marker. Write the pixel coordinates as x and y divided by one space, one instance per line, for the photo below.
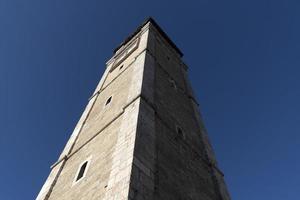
141 136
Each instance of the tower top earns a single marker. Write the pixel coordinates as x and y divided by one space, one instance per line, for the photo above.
152 21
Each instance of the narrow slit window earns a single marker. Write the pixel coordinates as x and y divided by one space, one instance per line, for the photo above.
180 134
81 171
179 131
121 67
108 101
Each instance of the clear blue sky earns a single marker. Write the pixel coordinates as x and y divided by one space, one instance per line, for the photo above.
244 65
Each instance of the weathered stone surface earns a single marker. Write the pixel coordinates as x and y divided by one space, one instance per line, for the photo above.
133 144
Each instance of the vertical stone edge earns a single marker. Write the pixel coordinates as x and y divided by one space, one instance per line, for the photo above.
217 175
142 184
120 176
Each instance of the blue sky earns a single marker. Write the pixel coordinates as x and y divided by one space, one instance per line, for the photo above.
243 58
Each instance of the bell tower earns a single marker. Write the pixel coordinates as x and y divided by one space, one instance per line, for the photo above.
141 136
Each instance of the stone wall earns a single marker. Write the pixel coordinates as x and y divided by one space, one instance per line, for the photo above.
169 165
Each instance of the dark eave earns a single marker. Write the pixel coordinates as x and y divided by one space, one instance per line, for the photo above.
151 20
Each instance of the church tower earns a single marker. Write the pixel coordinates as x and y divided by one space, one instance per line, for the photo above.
141 136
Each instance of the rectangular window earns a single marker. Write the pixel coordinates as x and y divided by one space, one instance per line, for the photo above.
81 171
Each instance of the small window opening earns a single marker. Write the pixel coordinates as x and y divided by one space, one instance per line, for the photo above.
180 134
81 171
108 101
121 67
179 130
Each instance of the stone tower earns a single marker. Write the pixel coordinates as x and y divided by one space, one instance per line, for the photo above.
140 136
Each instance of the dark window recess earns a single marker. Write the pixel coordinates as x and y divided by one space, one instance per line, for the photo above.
121 67
179 131
81 171
108 101
180 135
